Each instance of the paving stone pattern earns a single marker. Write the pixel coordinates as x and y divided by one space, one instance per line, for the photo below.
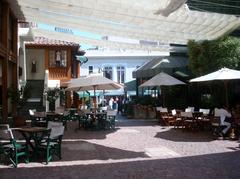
136 149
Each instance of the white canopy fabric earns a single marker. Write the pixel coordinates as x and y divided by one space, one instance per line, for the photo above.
165 21
162 79
222 74
92 82
96 42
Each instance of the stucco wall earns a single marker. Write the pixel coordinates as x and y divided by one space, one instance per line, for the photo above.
37 55
130 64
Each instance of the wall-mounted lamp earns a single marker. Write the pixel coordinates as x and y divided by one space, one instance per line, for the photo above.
34 67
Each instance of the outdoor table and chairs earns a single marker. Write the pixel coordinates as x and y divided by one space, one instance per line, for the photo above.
99 120
38 119
50 143
32 136
44 140
54 115
10 148
190 121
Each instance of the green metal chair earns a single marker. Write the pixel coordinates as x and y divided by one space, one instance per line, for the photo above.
111 117
82 118
50 145
10 148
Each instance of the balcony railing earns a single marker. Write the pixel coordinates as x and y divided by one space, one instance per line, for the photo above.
58 73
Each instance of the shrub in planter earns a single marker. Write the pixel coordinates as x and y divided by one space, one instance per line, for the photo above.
52 95
19 98
129 110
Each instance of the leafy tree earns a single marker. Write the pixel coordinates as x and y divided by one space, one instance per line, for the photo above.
209 56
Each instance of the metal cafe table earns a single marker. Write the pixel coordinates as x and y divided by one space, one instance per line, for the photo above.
33 134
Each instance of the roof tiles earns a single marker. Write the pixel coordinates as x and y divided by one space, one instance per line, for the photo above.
51 42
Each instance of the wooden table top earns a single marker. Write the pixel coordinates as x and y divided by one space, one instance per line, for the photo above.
32 129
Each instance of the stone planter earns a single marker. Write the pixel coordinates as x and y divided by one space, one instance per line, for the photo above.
52 106
151 113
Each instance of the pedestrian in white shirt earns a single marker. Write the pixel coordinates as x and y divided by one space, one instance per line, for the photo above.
223 113
110 103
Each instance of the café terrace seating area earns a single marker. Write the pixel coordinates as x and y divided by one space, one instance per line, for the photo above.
193 120
40 140
189 119
41 136
100 119
134 143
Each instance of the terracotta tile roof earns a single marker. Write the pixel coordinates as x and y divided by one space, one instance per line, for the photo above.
50 42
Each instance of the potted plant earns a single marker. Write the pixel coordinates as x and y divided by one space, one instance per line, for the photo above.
19 97
52 95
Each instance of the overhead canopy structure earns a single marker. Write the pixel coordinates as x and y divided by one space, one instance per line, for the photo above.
165 21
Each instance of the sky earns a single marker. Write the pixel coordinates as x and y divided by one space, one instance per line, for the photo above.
73 32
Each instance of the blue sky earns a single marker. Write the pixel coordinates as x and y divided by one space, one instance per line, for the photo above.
74 32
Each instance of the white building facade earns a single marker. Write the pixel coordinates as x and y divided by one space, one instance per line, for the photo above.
116 65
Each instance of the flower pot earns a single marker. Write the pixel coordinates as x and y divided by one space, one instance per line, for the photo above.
52 106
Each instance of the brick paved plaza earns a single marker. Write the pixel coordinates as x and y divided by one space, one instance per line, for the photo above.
136 149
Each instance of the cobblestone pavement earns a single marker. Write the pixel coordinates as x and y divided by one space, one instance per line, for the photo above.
136 149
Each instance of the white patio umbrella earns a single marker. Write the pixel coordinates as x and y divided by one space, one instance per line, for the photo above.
162 79
224 74
92 82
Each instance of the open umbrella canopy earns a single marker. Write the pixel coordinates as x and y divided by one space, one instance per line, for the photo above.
92 82
222 74
162 79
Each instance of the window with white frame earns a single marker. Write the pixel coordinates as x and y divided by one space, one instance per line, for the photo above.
58 58
120 74
108 72
90 69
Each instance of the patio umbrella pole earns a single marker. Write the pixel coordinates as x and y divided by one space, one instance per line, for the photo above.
83 100
94 100
226 92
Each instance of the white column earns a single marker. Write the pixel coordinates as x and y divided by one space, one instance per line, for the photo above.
24 68
114 73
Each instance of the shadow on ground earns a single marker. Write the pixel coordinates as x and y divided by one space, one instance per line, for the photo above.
88 134
136 122
83 150
221 165
177 135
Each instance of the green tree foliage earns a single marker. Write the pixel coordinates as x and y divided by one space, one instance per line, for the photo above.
53 94
208 56
19 96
